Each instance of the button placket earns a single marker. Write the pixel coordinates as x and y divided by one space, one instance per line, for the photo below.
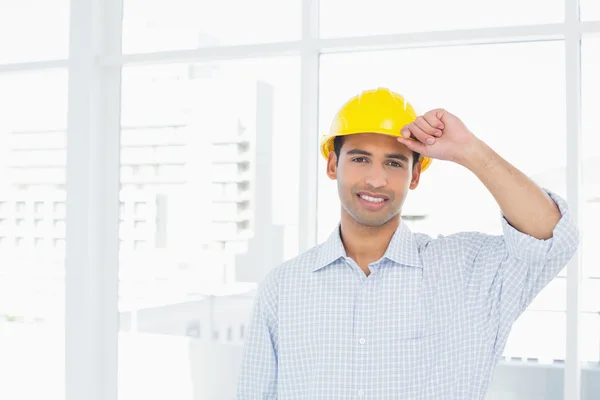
362 323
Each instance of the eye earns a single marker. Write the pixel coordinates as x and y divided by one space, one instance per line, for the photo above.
395 164
359 159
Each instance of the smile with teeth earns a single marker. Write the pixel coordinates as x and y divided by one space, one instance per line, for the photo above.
371 199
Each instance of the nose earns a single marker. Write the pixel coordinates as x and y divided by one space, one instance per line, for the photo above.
376 177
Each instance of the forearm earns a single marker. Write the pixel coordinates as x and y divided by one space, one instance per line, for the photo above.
524 204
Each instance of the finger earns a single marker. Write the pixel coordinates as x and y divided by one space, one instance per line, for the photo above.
418 134
427 127
433 120
413 145
440 113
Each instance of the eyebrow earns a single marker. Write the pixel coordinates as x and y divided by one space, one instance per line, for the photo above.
366 153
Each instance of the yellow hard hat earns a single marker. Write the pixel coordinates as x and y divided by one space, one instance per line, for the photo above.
373 111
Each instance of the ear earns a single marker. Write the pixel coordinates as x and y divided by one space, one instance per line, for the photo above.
332 166
416 176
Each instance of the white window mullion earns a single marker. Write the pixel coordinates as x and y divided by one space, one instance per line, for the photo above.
206 54
456 37
573 27
33 66
91 263
309 125
592 27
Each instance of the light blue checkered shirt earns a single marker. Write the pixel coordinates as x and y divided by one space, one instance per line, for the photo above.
429 322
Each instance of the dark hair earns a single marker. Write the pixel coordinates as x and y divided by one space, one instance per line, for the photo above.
338 141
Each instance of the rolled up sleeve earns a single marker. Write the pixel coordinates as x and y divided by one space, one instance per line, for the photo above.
564 241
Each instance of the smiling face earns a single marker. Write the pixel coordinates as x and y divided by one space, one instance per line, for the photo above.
374 173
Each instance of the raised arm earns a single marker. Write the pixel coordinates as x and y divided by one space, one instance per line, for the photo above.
525 205
503 273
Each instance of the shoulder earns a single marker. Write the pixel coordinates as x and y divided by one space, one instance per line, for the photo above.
459 244
454 257
427 242
292 268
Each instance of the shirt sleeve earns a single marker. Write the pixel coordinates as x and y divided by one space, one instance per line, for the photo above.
506 272
258 370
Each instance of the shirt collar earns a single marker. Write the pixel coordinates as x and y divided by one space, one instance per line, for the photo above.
403 249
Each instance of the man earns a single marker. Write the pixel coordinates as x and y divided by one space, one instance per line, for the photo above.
378 312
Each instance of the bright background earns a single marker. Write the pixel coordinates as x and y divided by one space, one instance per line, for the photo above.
158 158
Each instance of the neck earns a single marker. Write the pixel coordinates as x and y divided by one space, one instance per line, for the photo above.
366 244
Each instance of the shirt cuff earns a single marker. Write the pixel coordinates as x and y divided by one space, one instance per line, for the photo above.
565 237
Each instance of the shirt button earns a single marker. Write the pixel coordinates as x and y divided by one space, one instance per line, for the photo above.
361 393
362 341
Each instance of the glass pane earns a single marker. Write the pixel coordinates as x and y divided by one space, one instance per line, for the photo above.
590 93
39 30
495 89
344 18
590 10
206 221
33 105
188 24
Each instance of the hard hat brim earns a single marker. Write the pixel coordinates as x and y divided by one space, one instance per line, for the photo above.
327 145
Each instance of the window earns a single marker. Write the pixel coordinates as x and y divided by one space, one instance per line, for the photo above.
137 155
590 10
49 157
147 173
141 209
590 212
139 244
49 139
140 224
192 216
478 84
20 207
59 209
59 225
39 206
171 173
390 16
32 284
168 154
224 209
39 30
59 244
227 152
188 24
